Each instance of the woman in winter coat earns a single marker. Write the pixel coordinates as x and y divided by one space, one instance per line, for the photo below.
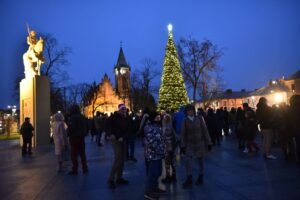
195 143
170 145
59 138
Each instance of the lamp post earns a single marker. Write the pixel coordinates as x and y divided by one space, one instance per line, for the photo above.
13 109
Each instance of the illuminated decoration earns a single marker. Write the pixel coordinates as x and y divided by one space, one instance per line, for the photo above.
170 27
172 92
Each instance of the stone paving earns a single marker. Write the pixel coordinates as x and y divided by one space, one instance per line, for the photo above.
229 174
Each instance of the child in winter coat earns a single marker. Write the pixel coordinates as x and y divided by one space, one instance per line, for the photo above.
154 153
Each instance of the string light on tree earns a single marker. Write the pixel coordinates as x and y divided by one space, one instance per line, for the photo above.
172 92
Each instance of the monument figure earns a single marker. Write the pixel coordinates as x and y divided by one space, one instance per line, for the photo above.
33 58
35 91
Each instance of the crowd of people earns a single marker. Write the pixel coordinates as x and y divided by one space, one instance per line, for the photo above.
188 132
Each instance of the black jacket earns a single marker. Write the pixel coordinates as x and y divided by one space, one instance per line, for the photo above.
77 126
265 116
26 129
118 126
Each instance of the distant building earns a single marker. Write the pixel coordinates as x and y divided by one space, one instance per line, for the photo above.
107 98
276 92
292 83
228 99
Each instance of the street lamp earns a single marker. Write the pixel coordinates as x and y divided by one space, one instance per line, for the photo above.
278 98
13 109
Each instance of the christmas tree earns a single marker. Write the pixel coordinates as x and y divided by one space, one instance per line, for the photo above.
172 92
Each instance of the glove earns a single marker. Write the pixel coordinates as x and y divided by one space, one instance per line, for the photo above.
183 150
209 147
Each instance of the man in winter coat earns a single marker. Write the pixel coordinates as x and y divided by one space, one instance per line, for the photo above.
77 129
265 119
99 124
118 129
26 132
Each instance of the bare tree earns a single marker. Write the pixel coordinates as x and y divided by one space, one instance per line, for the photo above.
77 92
215 86
198 61
55 59
142 85
148 74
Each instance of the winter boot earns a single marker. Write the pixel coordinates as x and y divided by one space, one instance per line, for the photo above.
188 182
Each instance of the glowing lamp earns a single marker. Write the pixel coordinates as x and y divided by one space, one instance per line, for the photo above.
278 98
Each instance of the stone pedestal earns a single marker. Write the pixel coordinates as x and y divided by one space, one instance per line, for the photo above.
35 103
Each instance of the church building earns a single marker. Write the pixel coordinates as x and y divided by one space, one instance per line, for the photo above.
107 98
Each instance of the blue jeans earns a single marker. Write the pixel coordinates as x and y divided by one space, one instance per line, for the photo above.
155 170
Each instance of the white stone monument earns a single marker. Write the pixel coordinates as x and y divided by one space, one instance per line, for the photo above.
35 91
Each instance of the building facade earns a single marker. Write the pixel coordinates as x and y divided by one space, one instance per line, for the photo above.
292 83
276 92
107 98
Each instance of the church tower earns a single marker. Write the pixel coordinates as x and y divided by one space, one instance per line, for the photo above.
122 78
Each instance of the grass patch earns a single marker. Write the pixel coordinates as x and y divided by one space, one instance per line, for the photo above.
13 136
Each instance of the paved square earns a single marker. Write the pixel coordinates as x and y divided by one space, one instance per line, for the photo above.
229 174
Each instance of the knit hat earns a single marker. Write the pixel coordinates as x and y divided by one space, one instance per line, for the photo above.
121 106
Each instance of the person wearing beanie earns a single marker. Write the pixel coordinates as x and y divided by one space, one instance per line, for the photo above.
118 129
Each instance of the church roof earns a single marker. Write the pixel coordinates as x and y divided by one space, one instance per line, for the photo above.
121 60
269 89
296 75
229 94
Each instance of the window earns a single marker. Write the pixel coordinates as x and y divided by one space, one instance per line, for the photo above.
293 87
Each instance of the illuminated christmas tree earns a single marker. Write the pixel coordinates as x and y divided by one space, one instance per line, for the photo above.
172 92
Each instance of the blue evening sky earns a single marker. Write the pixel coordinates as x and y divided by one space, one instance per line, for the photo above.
261 38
